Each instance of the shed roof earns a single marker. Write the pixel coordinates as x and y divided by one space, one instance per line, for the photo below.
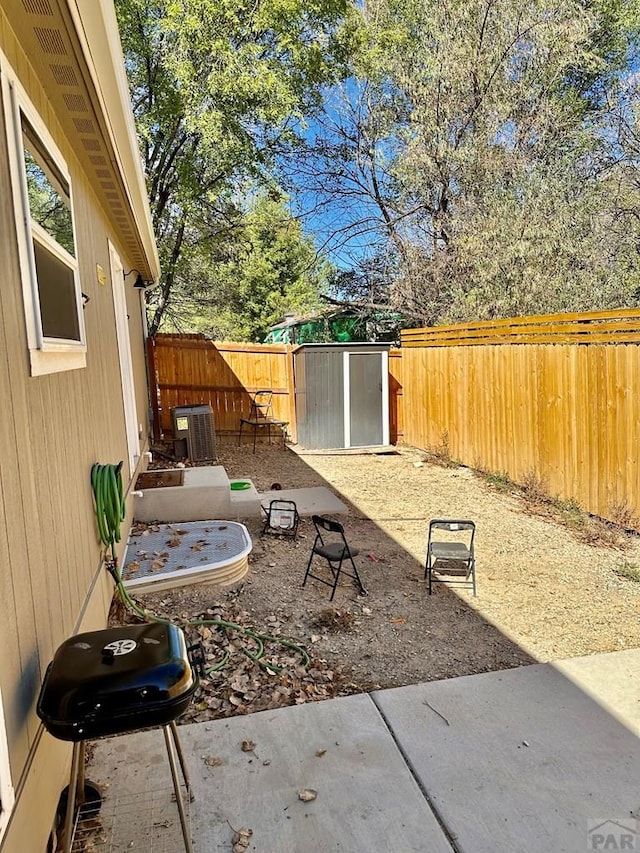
374 346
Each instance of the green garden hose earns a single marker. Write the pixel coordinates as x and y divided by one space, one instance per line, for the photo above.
106 482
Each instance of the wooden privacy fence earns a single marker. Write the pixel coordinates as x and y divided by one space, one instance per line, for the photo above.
555 397
192 370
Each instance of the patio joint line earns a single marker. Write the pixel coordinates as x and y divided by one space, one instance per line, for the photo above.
448 833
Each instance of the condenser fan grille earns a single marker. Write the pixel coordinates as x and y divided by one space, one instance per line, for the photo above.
194 424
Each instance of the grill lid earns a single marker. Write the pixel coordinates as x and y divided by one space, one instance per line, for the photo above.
104 682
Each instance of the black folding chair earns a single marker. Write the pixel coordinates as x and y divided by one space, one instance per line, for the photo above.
331 544
451 560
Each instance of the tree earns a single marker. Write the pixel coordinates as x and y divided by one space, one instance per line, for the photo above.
217 89
344 166
269 269
478 155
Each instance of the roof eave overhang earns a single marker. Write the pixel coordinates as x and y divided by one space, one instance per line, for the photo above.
75 51
97 29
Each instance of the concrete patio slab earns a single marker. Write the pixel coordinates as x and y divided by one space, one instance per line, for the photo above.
539 758
309 501
317 500
525 759
367 799
612 680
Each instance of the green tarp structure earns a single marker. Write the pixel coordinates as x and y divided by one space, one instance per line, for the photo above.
336 328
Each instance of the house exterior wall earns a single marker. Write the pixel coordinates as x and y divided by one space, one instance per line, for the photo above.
52 429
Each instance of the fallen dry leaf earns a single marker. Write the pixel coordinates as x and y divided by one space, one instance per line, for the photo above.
307 795
247 746
320 752
241 840
212 761
243 685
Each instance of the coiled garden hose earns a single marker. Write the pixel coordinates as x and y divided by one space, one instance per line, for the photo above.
106 482
108 492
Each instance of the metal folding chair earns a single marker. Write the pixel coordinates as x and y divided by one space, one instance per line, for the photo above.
451 560
281 518
261 415
331 544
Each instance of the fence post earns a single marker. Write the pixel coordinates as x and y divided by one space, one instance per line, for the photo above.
291 388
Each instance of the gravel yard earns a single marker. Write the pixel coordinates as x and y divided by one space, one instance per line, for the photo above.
543 592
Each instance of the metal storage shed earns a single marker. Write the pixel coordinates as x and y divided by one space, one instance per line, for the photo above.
342 395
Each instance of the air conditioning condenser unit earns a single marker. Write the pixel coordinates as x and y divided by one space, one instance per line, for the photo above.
193 427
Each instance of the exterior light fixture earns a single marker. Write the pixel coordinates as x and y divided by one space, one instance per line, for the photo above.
139 283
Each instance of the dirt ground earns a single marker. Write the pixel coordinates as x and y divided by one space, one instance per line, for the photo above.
542 593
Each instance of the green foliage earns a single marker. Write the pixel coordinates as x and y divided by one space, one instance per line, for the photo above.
484 154
217 88
499 481
628 571
613 37
268 269
502 148
551 243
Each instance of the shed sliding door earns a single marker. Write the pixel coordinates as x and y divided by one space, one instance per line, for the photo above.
366 399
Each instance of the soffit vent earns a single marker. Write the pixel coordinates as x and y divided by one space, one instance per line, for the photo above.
84 125
64 75
51 41
37 7
75 103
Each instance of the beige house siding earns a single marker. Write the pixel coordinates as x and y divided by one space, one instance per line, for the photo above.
52 429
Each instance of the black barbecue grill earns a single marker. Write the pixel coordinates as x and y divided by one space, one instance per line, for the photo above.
115 681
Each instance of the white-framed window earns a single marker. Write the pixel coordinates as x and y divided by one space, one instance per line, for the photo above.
43 203
7 796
